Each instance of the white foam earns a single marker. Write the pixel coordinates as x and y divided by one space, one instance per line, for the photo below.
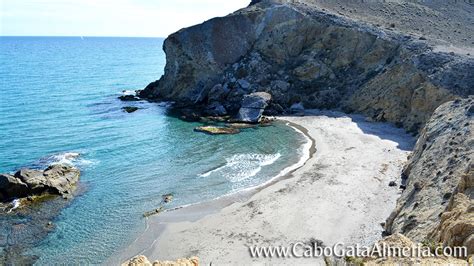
129 92
69 158
15 205
242 166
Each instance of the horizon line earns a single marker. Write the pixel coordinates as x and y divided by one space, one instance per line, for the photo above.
81 36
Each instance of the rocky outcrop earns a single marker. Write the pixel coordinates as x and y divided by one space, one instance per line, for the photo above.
143 261
457 224
299 54
57 179
439 169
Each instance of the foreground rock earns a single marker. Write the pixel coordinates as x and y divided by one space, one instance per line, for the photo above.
217 130
437 204
143 261
57 179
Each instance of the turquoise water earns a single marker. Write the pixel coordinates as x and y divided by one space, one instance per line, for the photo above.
59 95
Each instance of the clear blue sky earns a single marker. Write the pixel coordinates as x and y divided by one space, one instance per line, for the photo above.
154 18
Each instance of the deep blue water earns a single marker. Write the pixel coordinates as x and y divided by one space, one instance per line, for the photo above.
59 95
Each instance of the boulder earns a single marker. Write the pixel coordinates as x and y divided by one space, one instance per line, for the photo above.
252 107
130 109
57 179
61 178
33 178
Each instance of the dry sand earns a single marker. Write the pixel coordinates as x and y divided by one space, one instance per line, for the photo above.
341 194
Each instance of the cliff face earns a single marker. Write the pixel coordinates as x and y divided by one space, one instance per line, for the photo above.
300 54
438 202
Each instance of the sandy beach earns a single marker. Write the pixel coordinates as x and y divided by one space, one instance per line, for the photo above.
341 194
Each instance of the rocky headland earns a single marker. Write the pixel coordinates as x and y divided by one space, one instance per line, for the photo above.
279 57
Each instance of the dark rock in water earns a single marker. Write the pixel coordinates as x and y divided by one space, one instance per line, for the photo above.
217 130
57 179
130 109
167 198
252 107
392 184
129 98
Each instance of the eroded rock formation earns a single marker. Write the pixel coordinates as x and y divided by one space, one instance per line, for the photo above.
301 55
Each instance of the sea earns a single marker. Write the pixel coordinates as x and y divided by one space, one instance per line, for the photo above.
58 99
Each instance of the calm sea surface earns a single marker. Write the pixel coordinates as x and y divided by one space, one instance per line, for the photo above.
59 95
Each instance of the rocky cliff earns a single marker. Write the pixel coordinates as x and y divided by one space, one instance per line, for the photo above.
300 54
316 54
438 202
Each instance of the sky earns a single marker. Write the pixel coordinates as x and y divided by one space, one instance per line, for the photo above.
128 18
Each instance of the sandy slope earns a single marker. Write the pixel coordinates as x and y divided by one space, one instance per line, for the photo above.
340 194
447 25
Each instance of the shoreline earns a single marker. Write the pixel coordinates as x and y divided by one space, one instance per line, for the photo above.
163 234
196 211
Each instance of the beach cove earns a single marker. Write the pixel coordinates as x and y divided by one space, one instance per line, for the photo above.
340 194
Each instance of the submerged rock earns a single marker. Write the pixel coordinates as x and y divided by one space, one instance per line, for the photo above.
128 98
58 179
167 198
130 109
217 130
252 107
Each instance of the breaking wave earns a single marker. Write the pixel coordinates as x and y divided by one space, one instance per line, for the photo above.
242 166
